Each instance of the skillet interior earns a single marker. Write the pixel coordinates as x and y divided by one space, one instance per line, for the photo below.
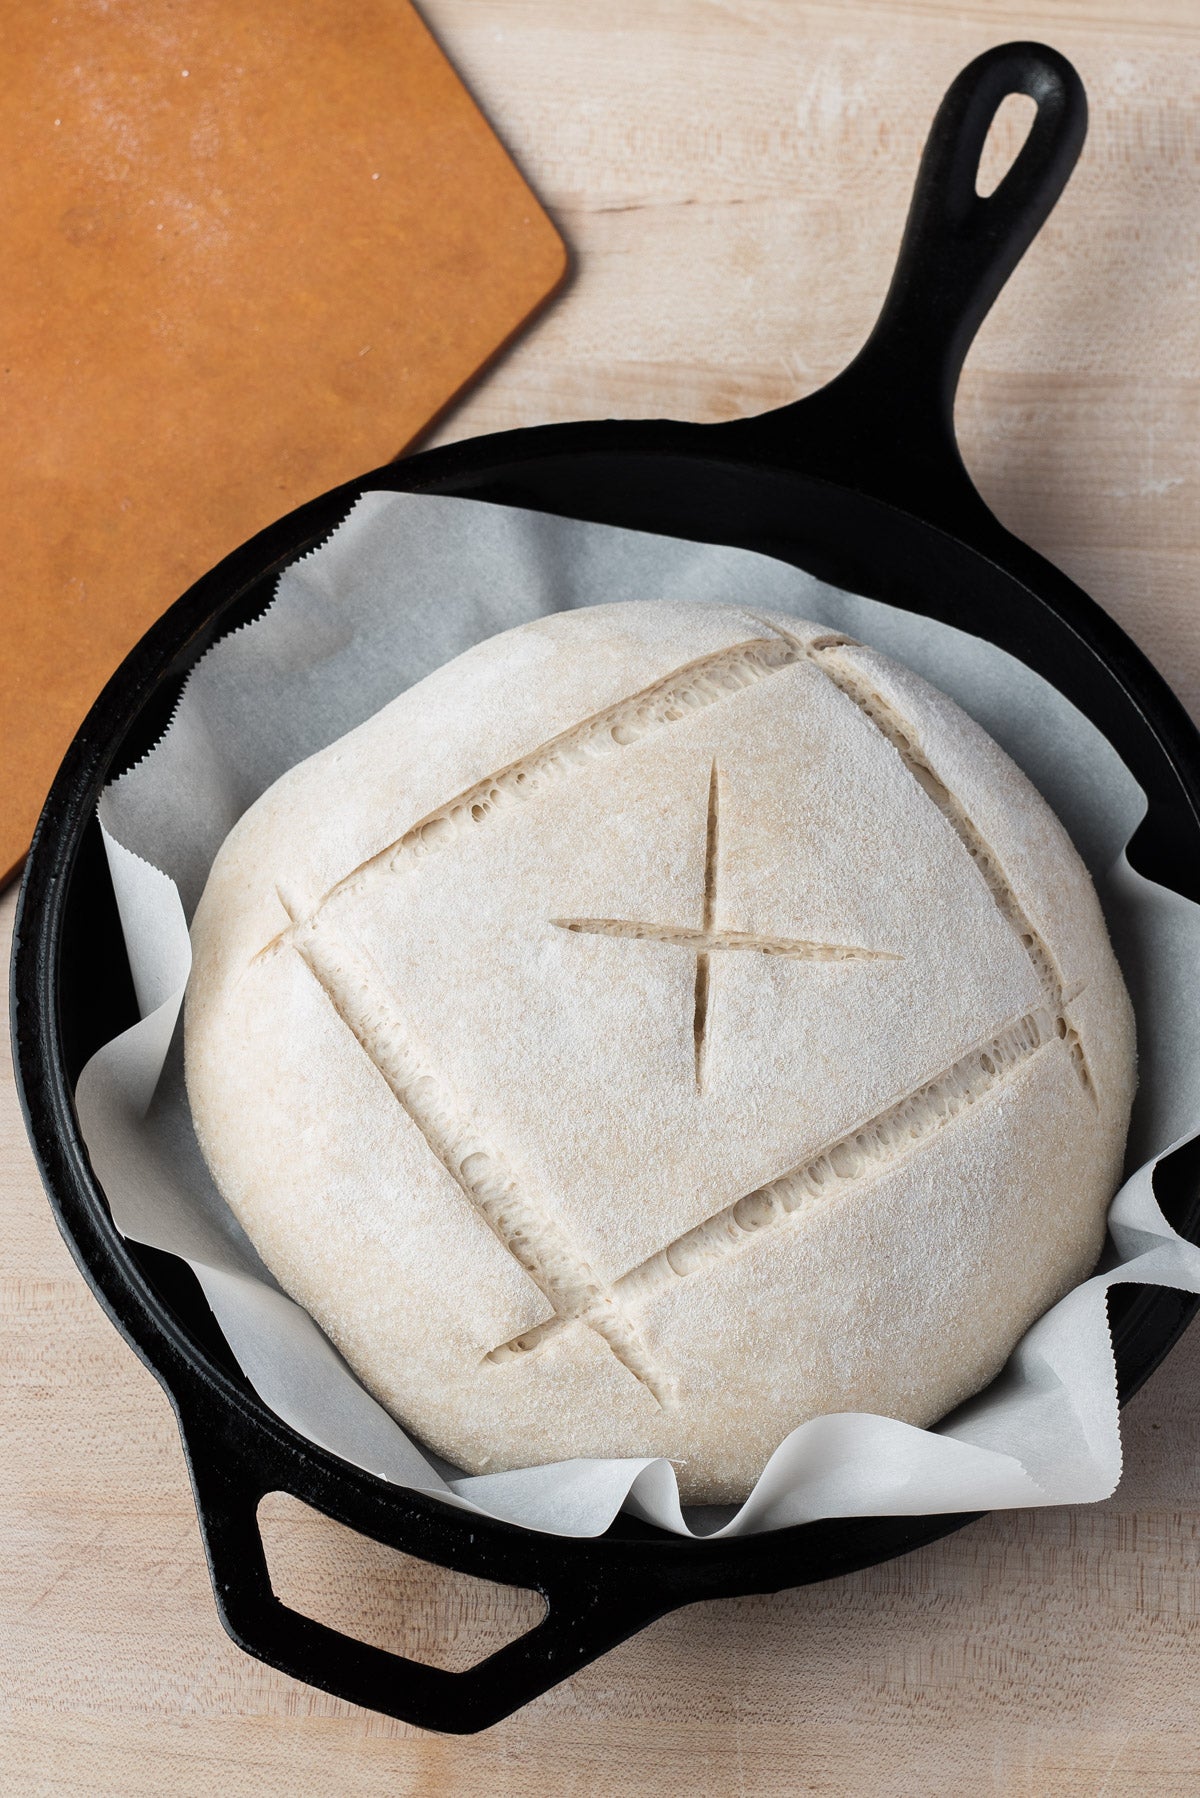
833 532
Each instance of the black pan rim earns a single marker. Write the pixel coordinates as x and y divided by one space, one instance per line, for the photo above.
46 1098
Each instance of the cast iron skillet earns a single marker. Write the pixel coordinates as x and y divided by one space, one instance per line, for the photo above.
862 483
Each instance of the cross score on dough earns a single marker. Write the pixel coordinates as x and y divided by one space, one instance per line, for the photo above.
536 1240
709 938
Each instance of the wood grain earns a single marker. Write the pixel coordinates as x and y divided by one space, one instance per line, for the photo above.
733 178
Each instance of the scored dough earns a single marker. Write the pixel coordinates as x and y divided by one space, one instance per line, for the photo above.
659 1026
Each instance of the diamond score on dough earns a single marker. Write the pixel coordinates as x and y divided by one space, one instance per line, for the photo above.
331 945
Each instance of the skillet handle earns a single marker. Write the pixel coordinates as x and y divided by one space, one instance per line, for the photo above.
886 424
588 1612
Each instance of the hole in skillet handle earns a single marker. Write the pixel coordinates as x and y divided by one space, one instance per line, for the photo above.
440 1616
1008 130
885 426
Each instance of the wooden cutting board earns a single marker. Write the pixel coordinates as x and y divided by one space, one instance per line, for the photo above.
251 251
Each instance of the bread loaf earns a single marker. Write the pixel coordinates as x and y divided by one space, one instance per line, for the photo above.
661 1025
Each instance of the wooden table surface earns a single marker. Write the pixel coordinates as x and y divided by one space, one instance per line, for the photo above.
732 176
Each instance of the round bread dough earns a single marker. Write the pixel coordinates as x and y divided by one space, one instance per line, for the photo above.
661 1025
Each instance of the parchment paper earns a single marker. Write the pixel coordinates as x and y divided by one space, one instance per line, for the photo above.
405 583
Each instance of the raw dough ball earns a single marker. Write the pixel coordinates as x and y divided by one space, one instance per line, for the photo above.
660 1026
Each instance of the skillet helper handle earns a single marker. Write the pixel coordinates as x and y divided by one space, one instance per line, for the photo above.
886 424
589 1615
